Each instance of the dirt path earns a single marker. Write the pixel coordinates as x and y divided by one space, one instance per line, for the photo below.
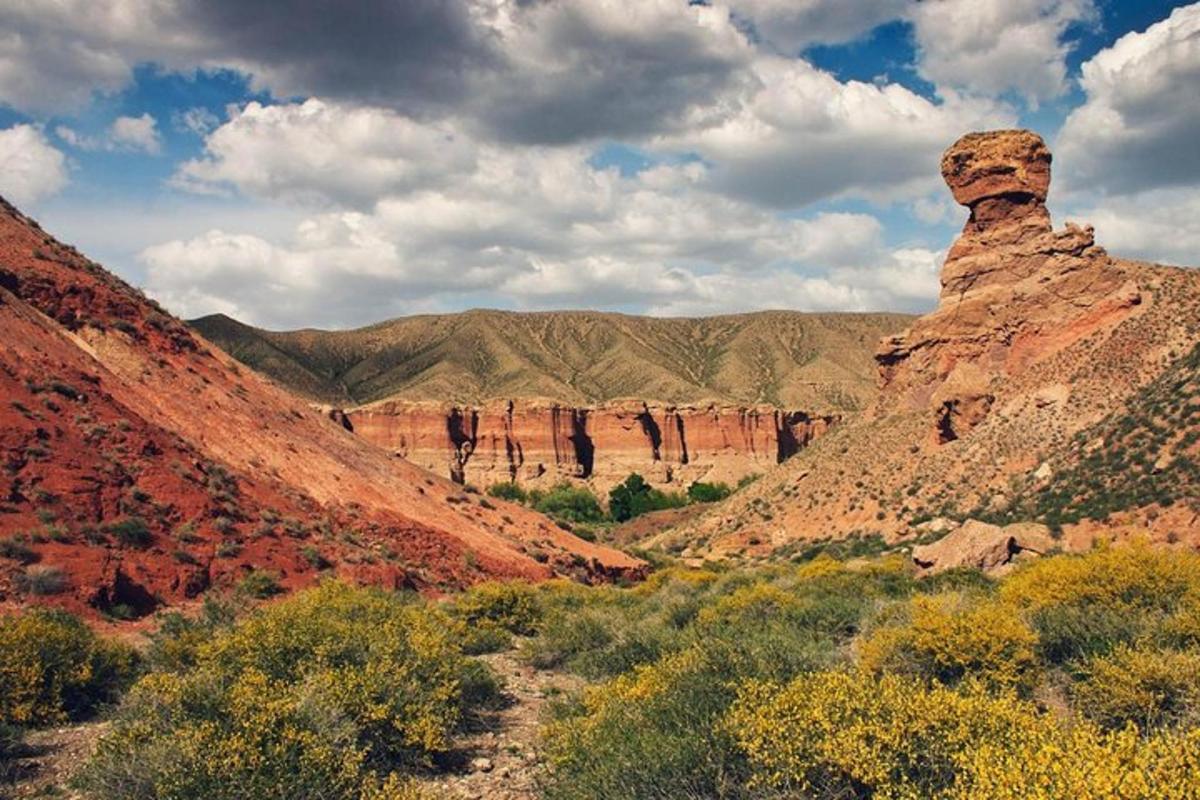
49 758
498 758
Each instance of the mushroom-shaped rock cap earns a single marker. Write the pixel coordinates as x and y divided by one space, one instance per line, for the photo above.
992 164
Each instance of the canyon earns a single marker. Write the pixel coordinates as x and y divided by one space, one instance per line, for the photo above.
485 397
540 442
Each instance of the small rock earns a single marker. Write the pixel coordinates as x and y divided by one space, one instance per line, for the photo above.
481 765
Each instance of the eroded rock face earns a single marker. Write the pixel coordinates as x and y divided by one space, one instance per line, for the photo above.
537 441
1014 290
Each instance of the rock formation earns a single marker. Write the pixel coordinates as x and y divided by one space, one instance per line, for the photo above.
1039 334
979 545
534 441
1014 290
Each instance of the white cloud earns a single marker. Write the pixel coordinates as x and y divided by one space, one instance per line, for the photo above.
990 47
802 136
129 134
31 169
136 133
1161 225
322 152
1137 129
517 226
197 120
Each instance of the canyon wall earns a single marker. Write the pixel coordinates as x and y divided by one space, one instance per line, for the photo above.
542 442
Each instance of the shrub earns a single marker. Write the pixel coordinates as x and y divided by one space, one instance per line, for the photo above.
946 639
303 698
132 532
511 606
510 490
260 584
700 492
11 748
42 580
651 733
53 668
1150 688
635 497
570 504
837 735
18 551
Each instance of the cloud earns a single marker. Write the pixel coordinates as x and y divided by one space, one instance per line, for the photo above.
1137 129
990 47
1161 225
136 133
500 225
53 56
128 134
320 152
576 70
792 25
31 169
803 136
197 120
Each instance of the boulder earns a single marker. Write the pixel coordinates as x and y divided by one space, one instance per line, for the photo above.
983 546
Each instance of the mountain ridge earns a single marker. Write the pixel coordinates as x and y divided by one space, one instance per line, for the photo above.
781 358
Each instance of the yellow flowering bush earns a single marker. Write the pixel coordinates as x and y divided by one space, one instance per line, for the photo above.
1146 686
53 668
300 699
510 605
837 735
948 639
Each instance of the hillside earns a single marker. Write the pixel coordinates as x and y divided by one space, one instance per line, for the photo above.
142 466
779 358
1039 336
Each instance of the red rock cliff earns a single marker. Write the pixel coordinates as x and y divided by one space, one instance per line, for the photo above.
542 441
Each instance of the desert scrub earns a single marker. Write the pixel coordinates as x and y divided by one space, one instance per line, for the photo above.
948 638
53 668
314 696
649 733
512 606
1083 606
41 580
836 735
1148 687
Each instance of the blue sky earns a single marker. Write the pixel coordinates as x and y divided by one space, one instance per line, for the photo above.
292 166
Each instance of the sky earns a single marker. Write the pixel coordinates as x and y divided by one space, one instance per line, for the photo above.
319 163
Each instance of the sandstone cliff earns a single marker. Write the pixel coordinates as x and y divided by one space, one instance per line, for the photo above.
542 442
1038 335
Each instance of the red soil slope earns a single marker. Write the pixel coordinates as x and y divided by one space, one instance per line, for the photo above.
112 412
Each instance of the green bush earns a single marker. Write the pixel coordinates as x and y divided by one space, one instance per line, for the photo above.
569 504
700 492
132 532
53 668
635 497
1147 687
510 491
511 606
41 580
260 585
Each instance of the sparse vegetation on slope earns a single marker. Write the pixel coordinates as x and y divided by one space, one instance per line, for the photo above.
787 359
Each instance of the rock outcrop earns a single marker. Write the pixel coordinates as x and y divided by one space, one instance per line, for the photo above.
979 545
535 441
1039 335
1014 290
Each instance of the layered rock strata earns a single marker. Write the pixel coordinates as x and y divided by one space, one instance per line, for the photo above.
1014 290
533 441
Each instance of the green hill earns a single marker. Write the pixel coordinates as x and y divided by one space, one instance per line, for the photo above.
790 359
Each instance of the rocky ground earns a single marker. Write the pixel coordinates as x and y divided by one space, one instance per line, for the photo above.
498 758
